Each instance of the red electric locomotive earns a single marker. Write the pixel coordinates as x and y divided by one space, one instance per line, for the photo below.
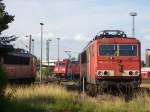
111 59
61 67
74 70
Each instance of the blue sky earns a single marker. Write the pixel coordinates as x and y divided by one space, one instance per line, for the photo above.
76 22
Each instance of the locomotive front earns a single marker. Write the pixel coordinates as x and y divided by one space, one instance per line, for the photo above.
118 61
60 69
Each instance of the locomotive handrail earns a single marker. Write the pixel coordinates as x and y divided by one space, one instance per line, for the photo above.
110 34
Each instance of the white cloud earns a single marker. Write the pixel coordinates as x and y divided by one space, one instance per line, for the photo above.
76 21
146 40
81 38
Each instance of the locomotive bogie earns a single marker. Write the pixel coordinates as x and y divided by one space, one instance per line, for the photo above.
120 83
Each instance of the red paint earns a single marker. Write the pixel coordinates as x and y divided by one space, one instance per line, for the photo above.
118 64
145 72
21 71
74 68
61 67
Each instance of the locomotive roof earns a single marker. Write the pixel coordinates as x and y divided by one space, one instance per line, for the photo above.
21 54
110 34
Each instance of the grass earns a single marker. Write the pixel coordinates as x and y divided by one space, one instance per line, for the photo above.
54 98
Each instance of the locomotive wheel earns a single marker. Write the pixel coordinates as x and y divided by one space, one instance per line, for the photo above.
92 90
100 90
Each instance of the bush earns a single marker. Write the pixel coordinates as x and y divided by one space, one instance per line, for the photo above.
3 80
45 71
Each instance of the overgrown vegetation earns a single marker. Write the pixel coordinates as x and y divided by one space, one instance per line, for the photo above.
45 71
52 98
3 80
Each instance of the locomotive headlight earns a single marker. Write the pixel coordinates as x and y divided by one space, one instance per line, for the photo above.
134 73
99 73
137 73
106 73
131 73
63 69
56 69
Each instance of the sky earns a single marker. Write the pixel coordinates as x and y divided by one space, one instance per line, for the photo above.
75 22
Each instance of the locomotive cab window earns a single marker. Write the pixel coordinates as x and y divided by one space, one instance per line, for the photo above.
108 50
127 50
60 64
84 57
16 60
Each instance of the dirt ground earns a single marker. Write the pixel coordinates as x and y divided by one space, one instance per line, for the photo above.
145 83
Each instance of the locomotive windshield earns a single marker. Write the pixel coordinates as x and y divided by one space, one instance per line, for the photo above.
127 50
108 50
118 50
60 64
16 60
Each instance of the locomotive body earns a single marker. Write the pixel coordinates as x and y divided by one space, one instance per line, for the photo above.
61 68
19 67
74 70
111 59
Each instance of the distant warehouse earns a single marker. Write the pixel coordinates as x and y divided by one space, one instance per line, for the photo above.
147 57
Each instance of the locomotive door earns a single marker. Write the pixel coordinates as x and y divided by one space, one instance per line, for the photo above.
90 70
88 66
92 65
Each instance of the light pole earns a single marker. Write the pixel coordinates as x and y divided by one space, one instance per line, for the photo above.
30 42
58 48
41 52
133 14
48 44
58 60
32 46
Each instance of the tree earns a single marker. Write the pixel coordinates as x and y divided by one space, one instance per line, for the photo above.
143 63
5 46
5 19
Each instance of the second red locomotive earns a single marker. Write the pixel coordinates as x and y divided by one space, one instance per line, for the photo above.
74 70
67 69
61 68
